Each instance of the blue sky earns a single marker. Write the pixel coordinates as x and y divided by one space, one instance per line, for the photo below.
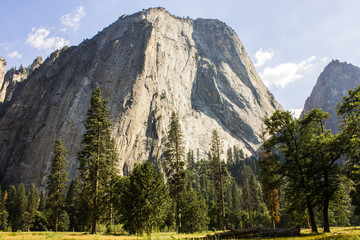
290 42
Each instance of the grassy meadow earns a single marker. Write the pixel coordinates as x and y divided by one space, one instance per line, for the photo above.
349 233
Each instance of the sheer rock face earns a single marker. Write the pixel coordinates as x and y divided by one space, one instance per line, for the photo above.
12 81
147 65
332 85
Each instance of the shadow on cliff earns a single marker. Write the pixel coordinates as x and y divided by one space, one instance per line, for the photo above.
211 91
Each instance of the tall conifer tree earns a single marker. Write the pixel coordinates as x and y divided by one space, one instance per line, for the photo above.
56 185
175 163
95 158
74 204
218 174
32 205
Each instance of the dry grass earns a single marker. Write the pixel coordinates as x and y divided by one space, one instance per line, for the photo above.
349 233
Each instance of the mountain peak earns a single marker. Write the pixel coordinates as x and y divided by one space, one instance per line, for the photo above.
147 64
333 84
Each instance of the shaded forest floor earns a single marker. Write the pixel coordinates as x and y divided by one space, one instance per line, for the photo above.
348 233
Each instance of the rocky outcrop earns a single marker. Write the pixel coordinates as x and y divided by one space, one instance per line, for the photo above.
2 70
12 82
332 85
147 65
36 64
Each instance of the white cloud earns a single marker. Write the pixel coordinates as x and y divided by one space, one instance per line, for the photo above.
72 19
5 45
39 38
263 56
325 59
15 54
283 74
296 112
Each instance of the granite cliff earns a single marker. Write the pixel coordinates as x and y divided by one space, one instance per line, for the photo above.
12 81
332 85
147 64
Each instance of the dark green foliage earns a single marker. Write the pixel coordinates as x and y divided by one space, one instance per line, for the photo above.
40 222
11 205
73 205
95 158
40 219
234 206
32 206
286 139
64 221
324 150
175 163
349 113
145 200
17 204
194 213
111 188
3 220
309 163
56 185
3 212
42 201
218 171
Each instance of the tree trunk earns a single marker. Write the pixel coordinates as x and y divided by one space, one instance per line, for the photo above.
311 215
96 190
326 202
326 216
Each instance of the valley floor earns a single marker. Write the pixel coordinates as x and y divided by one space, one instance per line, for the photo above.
348 233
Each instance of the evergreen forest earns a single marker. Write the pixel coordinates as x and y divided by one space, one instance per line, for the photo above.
303 175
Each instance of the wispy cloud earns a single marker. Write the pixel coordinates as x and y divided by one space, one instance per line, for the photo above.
5 45
263 56
39 38
72 19
296 112
283 74
15 54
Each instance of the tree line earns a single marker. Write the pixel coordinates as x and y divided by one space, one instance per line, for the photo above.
298 166
316 171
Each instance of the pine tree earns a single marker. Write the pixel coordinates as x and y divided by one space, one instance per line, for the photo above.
56 185
40 222
32 205
11 206
145 200
175 163
42 201
3 213
73 205
111 187
94 158
20 208
194 212
218 174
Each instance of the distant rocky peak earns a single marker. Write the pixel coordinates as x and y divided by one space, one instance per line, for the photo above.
332 85
36 64
2 70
